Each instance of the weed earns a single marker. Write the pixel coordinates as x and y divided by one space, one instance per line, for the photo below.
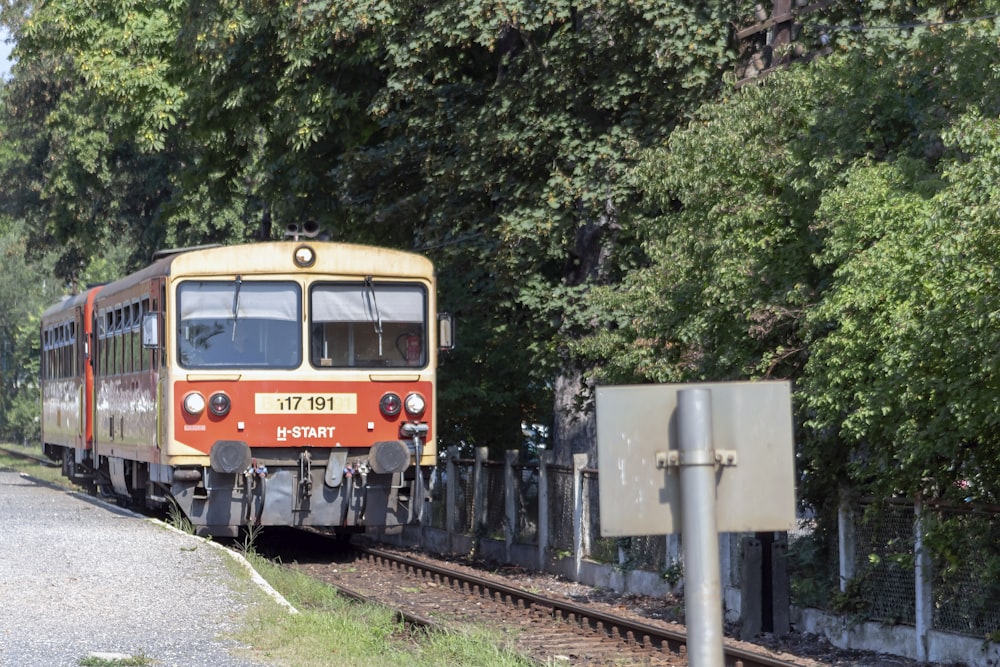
177 518
673 572
248 544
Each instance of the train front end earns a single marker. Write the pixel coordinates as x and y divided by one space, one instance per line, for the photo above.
301 386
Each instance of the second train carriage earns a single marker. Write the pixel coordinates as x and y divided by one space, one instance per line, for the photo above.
285 383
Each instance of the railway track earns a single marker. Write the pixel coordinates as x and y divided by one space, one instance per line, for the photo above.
597 636
24 453
546 628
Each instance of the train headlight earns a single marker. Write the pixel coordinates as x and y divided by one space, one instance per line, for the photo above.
304 256
194 403
219 404
390 405
415 405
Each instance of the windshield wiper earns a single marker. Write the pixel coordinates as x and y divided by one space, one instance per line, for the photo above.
236 303
371 305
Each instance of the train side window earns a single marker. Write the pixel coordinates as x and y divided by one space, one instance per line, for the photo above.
98 351
59 352
68 351
74 358
107 363
156 306
148 339
114 360
136 343
110 345
105 325
70 346
112 356
47 354
55 352
132 361
42 360
121 350
128 362
53 355
50 355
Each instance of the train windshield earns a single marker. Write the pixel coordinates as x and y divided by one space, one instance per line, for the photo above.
368 325
239 324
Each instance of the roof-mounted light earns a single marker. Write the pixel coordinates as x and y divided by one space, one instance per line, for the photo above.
304 256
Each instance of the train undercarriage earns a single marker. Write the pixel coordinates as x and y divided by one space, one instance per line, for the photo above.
337 490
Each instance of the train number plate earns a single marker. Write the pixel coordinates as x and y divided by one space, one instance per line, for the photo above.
306 404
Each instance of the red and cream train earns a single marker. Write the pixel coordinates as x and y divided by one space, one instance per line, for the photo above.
287 383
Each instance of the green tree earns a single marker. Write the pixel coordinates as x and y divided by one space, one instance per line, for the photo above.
25 289
834 226
82 110
509 132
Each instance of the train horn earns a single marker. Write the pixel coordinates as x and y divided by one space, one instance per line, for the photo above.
308 229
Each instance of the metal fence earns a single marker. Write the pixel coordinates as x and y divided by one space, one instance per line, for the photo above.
484 508
899 563
931 566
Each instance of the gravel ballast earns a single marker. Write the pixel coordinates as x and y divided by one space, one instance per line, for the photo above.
79 578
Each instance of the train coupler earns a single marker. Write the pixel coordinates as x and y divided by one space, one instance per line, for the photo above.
305 475
255 492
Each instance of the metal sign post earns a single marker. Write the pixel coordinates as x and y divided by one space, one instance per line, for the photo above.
698 459
702 586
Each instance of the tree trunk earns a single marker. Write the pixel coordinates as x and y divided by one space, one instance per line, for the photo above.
574 423
574 429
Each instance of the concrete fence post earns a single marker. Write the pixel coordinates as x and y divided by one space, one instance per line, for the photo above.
752 589
846 541
510 502
924 593
579 463
544 512
480 498
781 587
451 497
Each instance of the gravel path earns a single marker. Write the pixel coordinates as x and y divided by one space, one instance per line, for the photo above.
79 577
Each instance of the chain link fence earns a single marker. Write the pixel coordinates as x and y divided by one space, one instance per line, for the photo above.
966 574
884 563
961 566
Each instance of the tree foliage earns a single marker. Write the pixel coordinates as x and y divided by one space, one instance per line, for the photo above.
835 226
25 289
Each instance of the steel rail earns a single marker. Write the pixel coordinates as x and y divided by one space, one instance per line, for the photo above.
615 627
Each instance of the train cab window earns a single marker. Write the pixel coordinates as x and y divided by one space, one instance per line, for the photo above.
239 324
368 325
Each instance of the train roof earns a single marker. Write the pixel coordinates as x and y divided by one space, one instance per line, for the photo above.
340 259
69 302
